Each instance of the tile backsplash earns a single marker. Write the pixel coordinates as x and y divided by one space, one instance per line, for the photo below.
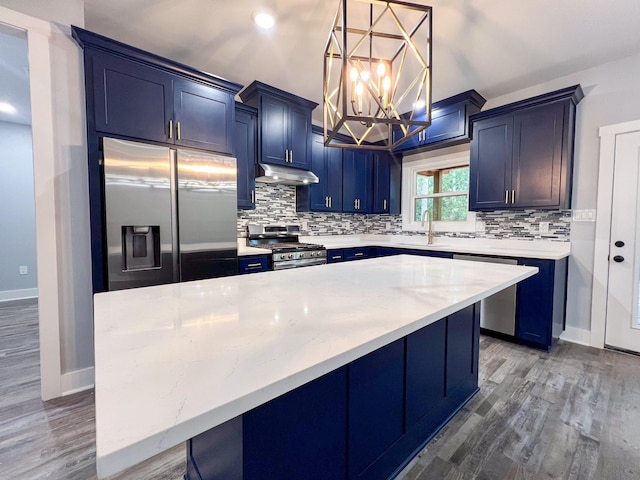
276 204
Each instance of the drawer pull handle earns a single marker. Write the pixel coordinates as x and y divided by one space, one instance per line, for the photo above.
506 196
359 254
336 257
513 196
251 265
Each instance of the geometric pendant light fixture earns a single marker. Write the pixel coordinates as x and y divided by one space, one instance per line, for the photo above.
377 73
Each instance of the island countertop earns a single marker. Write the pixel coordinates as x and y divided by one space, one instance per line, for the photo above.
173 361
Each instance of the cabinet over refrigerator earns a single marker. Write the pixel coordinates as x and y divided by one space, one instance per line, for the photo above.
170 214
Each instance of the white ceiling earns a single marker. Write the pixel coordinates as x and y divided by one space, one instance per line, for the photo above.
493 46
14 74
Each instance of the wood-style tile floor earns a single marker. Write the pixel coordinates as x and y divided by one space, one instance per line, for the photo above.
573 413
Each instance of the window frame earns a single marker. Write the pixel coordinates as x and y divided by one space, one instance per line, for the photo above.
410 169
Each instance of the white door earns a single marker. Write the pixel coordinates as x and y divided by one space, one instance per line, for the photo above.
623 307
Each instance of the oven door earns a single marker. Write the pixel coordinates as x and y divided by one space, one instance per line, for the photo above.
304 262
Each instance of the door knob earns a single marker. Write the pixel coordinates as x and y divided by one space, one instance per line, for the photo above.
619 244
618 258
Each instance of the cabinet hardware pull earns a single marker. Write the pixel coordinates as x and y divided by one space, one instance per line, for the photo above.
384 204
355 204
513 196
286 156
358 204
253 196
359 254
326 202
290 156
254 265
179 136
329 202
171 129
336 257
506 196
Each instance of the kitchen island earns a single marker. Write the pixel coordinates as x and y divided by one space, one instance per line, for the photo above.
239 366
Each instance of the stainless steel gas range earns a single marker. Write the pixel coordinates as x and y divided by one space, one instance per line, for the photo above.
286 250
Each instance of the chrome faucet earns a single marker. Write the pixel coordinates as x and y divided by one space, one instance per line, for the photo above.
430 234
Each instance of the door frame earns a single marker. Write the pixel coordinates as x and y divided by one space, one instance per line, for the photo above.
48 256
608 135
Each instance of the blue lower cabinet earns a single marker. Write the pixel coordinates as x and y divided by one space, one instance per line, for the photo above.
335 255
428 253
460 349
385 251
376 406
253 264
300 435
540 300
363 421
357 253
425 370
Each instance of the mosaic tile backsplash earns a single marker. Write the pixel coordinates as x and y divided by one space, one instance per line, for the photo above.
276 204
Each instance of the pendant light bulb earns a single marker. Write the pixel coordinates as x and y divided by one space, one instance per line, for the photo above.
353 74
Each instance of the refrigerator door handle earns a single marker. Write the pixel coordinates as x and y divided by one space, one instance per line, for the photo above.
175 242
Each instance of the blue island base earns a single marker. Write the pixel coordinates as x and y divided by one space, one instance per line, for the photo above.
363 421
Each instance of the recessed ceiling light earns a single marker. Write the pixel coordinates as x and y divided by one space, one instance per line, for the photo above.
263 19
7 108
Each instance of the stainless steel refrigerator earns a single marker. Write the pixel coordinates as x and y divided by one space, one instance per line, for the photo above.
170 214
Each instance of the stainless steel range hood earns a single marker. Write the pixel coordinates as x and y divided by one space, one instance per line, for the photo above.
266 173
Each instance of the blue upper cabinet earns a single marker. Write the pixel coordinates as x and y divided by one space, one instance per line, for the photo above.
204 116
356 181
130 99
284 125
245 142
449 124
139 95
326 163
522 153
387 175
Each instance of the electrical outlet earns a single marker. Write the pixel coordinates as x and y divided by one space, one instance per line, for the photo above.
544 227
24 270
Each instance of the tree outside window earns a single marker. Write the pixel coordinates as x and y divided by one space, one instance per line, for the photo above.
444 192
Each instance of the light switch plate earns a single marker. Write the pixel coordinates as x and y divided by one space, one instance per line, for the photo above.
584 215
24 270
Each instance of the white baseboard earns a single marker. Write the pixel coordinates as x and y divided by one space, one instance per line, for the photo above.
8 295
576 335
77 381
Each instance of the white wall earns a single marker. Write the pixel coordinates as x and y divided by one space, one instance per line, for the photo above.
17 212
70 184
611 96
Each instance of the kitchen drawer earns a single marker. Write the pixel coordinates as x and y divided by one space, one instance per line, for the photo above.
253 264
357 253
335 255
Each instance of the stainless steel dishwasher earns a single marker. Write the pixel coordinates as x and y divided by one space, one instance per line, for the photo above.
497 312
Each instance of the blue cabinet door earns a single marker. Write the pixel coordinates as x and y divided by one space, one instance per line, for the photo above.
356 181
537 156
245 152
387 183
131 99
446 123
413 142
273 131
299 435
534 297
318 196
254 264
204 116
461 354
326 195
299 134
425 371
490 165
376 406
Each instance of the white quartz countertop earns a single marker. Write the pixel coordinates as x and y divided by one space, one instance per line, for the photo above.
173 361
542 249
